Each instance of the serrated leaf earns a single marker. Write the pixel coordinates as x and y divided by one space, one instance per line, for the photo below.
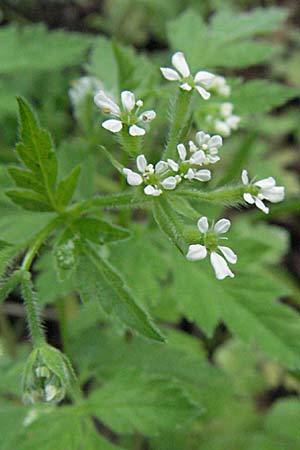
66 188
138 402
36 152
98 280
215 46
34 48
260 96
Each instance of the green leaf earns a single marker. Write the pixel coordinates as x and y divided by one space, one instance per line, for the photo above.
283 420
36 152
226 40
260 96
97 279
169 223
100 231
66 188
133 402
33 48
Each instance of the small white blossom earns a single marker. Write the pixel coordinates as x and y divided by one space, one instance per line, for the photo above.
201 81
227 121
210 238
83 87
210 145
220 86
267 190
196 158
128 115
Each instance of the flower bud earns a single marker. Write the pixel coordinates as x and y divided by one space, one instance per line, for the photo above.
47 375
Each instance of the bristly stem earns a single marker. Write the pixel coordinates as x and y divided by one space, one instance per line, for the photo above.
32 309
178 120
130 144
225 196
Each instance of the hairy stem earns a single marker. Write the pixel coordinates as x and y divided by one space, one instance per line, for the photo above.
227 195
178 121
31 304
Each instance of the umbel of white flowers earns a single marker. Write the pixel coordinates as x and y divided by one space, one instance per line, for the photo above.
128 115
201 81
267 190
210 240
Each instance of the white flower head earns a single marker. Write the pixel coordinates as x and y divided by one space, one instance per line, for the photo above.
220 86
201 81
226 121
187 167
210 243
210 145
82 87
264 189
126 115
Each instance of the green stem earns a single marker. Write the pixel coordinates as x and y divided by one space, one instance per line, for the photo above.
228 195
179 118
8 334
31 304
37 242
131 144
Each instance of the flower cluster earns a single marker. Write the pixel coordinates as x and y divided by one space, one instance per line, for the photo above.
210 238
128 115
166 175
200 82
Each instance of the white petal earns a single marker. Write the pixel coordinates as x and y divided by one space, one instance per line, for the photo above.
134 130
266 183
196 252
139 103
173 165
202 175
51 392
147 116
193 147
213 159
222 226
229 254
170 74
128 100
202 224
181 151
220 266
204 94
169 183
215 141
113 125
201 137
205 78
151 190
226 109
198 157
245 178
233 121
222 128
179 62
274 195
249 198
190 174
186 86
161 166
141 163
260 205
103 101
133 178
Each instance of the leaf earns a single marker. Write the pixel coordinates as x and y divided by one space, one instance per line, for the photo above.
283 420
65 189
260 96
226 40
97 279
33 48
36 152
169 223
133 402
100 231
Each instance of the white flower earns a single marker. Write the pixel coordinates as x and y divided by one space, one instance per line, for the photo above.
200 81
210 146
227 121
83 87
184 166
220 86
210 238
266 190
127 116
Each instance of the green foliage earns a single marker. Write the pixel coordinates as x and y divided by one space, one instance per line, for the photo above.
226 41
